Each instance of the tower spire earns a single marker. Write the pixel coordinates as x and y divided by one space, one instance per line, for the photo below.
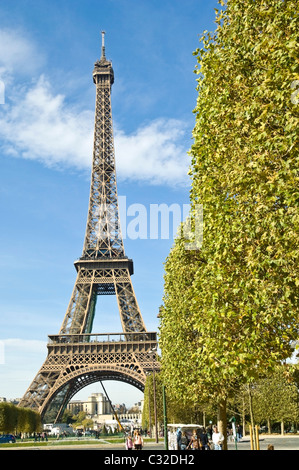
103 45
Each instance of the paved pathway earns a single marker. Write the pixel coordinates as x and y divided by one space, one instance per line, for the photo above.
288 442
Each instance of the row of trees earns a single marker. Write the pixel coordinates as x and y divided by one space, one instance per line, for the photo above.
14 419
230 312
273 400
77 420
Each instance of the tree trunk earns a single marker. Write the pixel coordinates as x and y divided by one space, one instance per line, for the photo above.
269 426
222 421
252 418
244 418
204 419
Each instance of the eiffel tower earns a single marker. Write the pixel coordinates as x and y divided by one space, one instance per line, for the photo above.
77 357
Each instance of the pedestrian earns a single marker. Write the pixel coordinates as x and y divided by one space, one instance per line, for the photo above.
178 438
129 443
204 440
239 432
138 442
217 438
194 441
184 441
209 432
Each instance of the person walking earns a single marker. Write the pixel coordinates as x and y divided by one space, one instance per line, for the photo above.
217 438
138 442
204 440
239 432
194 441
184 441
129 443
178 438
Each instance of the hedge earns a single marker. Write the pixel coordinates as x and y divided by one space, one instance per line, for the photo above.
15 419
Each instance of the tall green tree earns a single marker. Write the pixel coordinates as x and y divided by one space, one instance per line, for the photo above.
276 399
242 298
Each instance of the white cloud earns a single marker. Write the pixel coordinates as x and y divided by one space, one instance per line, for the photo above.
155 153
18 54
37 123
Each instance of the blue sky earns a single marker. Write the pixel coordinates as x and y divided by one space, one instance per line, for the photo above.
47 53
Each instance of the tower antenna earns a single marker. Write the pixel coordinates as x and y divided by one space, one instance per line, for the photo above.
103 44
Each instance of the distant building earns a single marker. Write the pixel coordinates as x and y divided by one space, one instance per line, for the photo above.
96 404
97 407
14 401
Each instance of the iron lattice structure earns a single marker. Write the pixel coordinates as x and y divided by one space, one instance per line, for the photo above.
76 357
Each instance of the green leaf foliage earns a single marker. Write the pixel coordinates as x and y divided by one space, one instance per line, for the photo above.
231 308
15 419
